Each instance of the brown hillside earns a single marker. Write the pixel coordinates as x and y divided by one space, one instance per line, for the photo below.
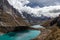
10 18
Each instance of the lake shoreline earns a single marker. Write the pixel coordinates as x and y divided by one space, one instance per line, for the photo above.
43 35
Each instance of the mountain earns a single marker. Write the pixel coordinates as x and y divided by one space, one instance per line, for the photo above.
52 30
52 22
34 20
10 18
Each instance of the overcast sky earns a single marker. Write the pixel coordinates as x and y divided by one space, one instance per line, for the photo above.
49 8
46 2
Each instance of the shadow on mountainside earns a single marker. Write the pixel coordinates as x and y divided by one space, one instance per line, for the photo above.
52 22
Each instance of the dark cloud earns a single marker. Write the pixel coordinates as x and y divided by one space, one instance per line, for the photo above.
55 11
43 3
35 4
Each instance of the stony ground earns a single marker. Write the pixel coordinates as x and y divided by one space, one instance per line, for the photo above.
50 32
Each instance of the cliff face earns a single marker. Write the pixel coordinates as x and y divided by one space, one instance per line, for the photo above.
10 17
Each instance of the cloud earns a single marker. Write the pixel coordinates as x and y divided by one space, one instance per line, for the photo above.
46 2
55 11
46 11
18 4
49 11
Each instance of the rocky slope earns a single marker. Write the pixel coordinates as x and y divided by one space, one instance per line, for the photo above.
10 18
52 31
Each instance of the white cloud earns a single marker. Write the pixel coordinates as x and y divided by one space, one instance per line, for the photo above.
18 4
37 11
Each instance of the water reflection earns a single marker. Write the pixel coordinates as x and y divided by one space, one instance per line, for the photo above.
37 26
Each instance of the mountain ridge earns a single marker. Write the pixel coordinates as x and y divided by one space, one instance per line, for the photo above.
10 18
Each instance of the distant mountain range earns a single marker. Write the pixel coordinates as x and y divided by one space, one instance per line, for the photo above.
34 20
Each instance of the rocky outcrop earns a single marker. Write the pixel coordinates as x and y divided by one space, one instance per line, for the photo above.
52 22
10 18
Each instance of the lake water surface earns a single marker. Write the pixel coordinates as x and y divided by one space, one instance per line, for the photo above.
23 35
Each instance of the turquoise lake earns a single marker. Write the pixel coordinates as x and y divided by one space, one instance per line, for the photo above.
22 35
